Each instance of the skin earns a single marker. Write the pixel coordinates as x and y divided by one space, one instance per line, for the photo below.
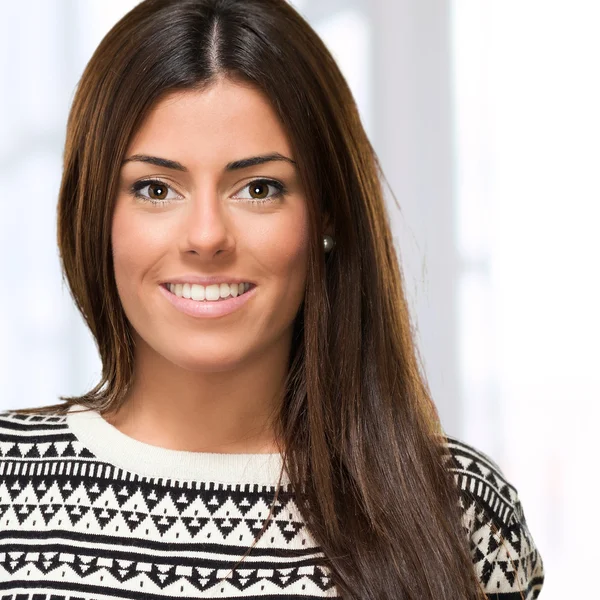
209 385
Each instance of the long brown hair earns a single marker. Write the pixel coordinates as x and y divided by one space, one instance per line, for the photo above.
362 436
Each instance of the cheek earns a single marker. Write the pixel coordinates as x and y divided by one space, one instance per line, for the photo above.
125 240
134 244
286 260
284 249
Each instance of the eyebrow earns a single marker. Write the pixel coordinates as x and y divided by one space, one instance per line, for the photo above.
244 163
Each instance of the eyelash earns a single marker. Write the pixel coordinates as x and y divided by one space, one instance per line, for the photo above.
140 185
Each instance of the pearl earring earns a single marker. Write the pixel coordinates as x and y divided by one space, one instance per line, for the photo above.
328 243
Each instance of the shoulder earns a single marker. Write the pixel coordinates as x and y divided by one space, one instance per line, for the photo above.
479 477
22 419
503 551
30 435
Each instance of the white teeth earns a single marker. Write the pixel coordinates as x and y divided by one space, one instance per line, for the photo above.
198 292
211 293
224 289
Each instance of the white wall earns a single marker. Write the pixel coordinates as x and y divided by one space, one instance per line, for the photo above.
527 132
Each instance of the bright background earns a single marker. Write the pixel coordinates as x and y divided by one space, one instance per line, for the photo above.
485 117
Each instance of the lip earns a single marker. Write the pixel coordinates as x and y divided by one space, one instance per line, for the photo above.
205 280
208 309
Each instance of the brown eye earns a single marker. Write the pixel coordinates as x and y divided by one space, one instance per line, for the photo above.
263 191
259 189
158 191
154 191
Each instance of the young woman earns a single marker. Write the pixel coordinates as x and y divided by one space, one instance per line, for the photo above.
262 427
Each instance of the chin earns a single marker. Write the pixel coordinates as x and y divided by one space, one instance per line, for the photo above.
206 362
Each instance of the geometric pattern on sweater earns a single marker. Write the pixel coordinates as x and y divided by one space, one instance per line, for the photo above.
506 560
74 526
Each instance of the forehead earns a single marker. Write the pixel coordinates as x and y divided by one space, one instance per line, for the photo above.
212 125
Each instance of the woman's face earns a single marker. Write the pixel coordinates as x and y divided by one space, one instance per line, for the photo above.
185 210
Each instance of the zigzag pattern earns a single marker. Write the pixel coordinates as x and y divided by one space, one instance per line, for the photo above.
73 526
504 554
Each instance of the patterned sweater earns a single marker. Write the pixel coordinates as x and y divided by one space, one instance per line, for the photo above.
89 513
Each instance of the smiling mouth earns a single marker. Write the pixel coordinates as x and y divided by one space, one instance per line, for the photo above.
209 293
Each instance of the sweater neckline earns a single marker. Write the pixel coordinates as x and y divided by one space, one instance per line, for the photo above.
111 445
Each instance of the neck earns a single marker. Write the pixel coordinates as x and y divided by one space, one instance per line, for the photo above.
229 411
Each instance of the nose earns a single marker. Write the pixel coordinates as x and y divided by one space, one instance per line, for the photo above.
207 226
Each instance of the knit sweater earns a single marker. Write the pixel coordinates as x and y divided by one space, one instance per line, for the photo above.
89 513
